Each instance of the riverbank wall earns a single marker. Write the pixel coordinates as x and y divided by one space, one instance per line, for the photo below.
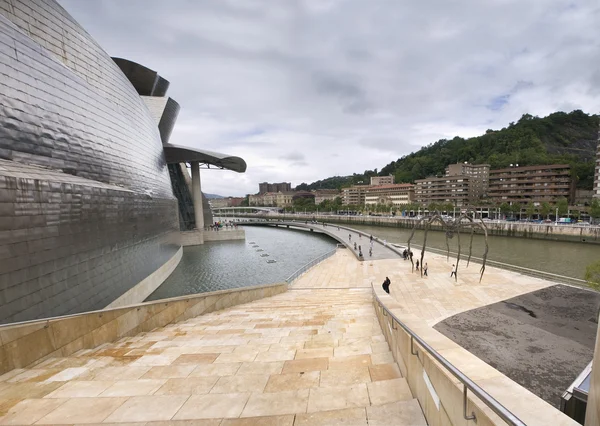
543 231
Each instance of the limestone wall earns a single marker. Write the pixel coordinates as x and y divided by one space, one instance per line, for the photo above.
224 235
440 393
195 237
592 413
146 287
24 343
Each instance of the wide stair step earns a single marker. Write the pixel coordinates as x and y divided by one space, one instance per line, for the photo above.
301 357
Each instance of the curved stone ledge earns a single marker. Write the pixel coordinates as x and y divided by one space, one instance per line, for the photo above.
143 289
521 402
24 343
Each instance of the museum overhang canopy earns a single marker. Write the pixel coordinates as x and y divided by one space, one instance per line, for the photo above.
179 154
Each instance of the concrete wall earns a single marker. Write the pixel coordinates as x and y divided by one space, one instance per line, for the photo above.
225 235
196 238
441 394
25 343
592 413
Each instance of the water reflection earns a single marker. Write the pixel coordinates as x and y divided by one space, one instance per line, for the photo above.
231 264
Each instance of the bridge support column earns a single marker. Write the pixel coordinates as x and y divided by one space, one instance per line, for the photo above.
197 196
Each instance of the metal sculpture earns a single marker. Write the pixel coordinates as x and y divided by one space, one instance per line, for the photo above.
451 227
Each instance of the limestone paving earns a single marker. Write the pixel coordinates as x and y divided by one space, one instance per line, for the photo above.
314 355
431 298
307 357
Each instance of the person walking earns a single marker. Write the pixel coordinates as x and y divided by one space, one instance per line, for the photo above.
417 264
349 237
386 285
453 271
370 251
425 269
371 239
354 245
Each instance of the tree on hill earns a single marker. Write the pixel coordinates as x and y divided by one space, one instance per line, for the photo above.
560 138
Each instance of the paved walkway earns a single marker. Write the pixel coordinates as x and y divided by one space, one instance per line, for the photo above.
304 357
314 355
431 298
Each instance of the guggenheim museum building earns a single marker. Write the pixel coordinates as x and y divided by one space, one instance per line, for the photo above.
93 198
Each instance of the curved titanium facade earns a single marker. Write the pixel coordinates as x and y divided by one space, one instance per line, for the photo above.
86 205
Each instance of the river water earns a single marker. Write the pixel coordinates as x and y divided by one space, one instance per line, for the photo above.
557 257
231 264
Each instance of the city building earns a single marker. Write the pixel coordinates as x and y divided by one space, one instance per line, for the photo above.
265 187
235 201
478 176
303 194
390 195
354 195
382 180
535 184
326 195
456 190
272 199
596 187
86 169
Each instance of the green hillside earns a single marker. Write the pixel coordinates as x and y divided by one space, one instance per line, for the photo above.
560 138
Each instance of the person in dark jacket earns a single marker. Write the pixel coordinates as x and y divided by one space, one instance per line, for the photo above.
386 285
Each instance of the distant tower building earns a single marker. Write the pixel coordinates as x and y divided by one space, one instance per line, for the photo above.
382 180
596 188
265 187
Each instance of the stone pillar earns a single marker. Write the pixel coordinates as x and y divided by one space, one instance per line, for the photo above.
197 196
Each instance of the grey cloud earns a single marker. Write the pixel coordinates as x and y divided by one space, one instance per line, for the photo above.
295 158
351 85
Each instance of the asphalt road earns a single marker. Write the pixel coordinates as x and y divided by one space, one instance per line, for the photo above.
541 340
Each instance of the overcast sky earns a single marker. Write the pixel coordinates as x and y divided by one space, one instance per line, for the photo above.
304 90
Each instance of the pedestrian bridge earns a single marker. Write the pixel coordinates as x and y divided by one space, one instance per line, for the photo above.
346 236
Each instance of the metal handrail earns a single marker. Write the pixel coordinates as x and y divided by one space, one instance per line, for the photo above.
490 401
310 264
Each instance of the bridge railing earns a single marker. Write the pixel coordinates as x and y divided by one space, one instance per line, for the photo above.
312 263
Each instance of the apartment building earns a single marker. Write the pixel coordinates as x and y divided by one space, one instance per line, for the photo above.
382 180
265 187
536 184
390 195
354 195
457 190
272 199
478 176
326 194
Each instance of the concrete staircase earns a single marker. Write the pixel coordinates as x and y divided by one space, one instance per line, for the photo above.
304 357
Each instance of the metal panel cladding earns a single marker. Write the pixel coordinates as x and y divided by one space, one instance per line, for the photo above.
91 211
